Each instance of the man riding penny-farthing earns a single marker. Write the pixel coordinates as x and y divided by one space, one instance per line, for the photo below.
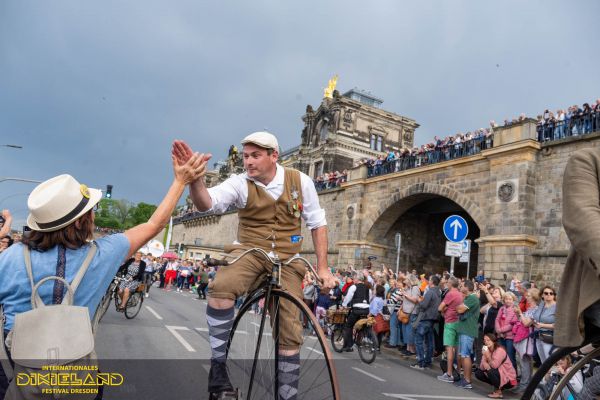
272 201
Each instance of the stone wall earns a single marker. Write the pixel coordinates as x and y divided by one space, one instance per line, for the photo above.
512 195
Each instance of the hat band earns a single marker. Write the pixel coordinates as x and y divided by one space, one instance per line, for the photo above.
48 225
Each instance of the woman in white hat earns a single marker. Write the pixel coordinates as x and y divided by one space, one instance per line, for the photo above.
62 224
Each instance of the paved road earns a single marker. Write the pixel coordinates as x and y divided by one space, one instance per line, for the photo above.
164 353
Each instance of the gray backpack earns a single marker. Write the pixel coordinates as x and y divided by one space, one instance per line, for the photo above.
51 339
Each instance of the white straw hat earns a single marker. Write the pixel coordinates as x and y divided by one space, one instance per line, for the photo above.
58 202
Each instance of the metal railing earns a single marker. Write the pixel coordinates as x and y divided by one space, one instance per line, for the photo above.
429 157
577 125
330 183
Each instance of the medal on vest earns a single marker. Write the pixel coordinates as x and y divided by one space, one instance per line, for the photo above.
295 206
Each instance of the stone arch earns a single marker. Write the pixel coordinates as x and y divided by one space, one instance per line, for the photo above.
393 207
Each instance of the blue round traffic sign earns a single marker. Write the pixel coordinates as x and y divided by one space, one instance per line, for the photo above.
456 228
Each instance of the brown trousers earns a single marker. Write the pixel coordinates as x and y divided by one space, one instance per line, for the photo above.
235 280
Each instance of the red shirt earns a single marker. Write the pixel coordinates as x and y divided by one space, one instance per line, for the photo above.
452 300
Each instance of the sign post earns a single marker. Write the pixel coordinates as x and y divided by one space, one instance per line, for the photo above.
455 230
398 245
466 255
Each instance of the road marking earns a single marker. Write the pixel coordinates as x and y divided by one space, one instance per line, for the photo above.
316 351
153 312
258 326
428 396
184 343
369 374
206 330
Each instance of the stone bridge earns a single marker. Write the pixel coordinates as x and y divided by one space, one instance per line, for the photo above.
510 195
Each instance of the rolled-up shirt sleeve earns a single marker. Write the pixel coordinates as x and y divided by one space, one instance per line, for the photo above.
227 193
312 213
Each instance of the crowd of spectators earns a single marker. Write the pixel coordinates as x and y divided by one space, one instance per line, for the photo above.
573 121
330 180
107 231
440 149
499 332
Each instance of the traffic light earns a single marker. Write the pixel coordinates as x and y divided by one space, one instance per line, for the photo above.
108 194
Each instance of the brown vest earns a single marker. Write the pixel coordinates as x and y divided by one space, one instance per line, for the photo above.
265 221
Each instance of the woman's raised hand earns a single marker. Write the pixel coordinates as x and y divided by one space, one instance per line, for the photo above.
191 170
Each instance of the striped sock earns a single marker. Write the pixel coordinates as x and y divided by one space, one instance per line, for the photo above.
219 325
289 374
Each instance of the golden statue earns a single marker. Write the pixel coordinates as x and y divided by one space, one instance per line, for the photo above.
328 92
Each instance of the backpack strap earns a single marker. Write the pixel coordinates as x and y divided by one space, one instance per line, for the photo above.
84 267
76 281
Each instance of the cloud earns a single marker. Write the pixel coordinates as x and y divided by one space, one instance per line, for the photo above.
101 89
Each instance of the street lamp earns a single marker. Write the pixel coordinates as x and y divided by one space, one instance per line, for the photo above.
19 180
14 146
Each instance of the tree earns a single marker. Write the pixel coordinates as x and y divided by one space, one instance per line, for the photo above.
121 209
141 213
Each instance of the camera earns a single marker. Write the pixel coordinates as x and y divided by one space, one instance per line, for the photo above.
26 231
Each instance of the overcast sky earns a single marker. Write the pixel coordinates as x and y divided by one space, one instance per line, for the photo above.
100 89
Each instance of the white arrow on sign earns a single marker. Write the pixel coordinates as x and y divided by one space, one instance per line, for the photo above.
456 225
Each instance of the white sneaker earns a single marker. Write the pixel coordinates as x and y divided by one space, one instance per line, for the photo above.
147 294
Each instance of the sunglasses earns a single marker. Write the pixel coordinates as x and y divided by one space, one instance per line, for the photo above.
549 293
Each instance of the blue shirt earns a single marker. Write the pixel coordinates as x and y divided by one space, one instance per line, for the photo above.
376 306
15 289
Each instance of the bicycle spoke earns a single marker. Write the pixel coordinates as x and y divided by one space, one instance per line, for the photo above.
315 376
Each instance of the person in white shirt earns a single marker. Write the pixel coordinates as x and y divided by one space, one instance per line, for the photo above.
271 202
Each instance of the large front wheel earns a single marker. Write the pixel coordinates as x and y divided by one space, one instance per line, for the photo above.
253 360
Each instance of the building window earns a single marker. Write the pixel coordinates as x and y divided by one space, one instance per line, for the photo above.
376 142
324 131
318 169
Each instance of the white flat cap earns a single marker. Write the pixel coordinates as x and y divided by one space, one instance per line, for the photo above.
262 139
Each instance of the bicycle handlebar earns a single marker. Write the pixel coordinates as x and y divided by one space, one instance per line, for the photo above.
272 258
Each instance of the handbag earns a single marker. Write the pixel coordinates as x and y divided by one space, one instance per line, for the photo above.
381 325
520 332
403 317
547 337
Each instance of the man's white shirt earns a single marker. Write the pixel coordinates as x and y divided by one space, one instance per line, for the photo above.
350 295
235 191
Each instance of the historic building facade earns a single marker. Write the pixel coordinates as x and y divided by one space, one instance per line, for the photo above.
510 195
347 128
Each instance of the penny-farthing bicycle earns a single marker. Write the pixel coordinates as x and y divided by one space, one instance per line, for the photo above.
252 356
585 360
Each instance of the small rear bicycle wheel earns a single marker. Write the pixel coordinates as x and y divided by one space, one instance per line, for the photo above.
337 337
253 359
134 305
367 343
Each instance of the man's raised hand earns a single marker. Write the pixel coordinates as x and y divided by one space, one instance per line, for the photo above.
182 152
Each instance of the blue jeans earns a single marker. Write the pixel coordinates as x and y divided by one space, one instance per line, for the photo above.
587 124
424 343
407 331
395 333
510 350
